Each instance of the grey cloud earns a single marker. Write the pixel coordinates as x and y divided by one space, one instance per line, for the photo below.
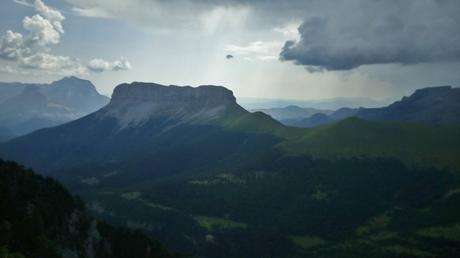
335 34
44 61
229 56
192 14
405 32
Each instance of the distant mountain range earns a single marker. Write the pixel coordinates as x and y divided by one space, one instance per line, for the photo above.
322 104
27 107
292 112
194 169
434 105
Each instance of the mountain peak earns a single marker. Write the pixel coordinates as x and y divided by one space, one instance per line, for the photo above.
70 79
138 102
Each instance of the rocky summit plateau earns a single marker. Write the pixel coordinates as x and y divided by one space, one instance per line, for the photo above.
136 103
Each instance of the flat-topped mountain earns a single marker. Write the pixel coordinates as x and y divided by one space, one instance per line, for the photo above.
145 118
136 103
205 95
28 107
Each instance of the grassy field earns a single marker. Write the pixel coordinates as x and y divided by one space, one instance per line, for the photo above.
307 242
212 223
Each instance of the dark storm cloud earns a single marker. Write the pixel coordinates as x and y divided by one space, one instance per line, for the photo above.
334 35
378 32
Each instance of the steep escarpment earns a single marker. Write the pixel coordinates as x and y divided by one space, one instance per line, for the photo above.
150 123
137 103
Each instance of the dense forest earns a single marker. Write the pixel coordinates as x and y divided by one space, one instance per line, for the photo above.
39 218
286 206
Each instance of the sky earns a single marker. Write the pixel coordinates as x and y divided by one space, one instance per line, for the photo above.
292 49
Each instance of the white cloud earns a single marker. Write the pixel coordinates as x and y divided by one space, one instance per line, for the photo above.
262 50
91 12
55 17
120 65
100 65
289 30
32 51
10 45
42 32
265 58
23 2
47 61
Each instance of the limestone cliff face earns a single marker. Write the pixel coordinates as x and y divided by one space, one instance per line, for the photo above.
173 95
136 103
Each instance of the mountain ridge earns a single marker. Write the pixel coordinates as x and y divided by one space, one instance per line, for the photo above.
432 105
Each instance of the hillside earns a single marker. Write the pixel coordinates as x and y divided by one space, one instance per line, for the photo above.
434 105
41 219
5 134
409 142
